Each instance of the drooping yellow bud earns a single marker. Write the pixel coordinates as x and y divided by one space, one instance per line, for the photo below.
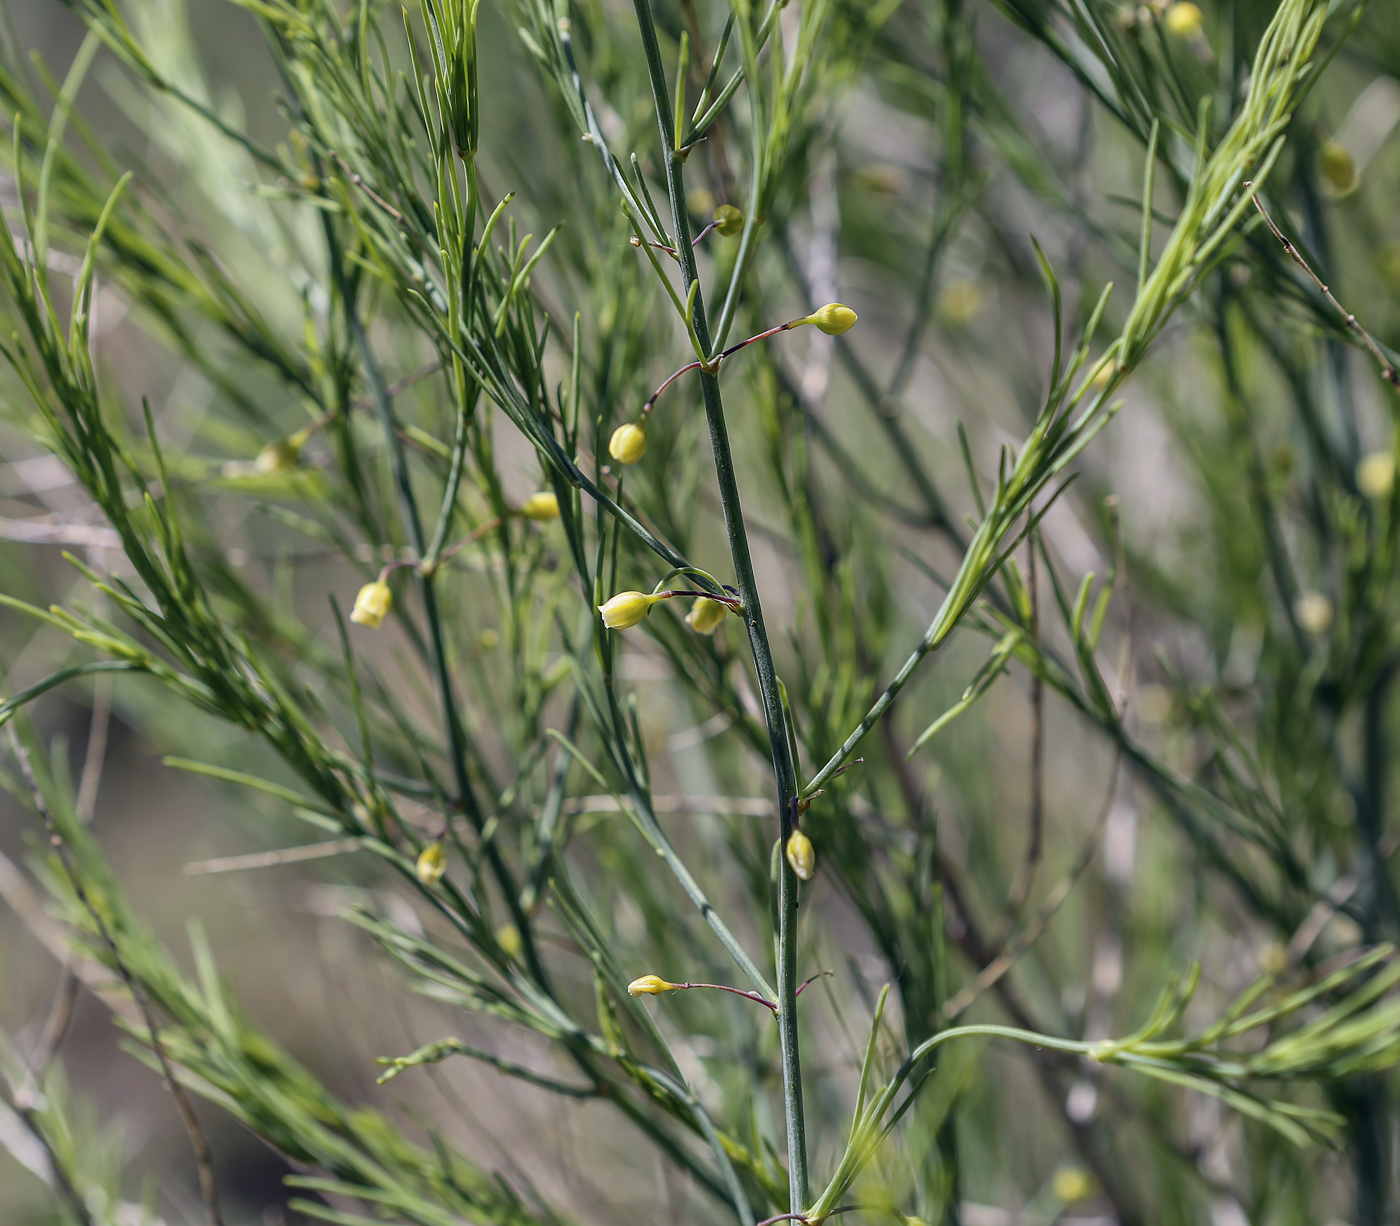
1182 20
432 863
628 443
1338 167
801 855
372 604
650 985
277 457
706 615
1071 1184
626 609
729 221
1314 613
833 319
541 507
1375 475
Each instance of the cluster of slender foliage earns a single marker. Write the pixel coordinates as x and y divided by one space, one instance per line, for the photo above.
388 355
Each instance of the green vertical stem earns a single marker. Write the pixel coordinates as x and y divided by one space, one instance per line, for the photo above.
783 767
413 523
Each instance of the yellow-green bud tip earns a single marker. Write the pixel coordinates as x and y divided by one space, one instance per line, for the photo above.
626 609
628 443
432 863
1070 1184
706 615
277 457
833 319
729 221
650 985
541 507
372 604
1375 475
1182 20
801 855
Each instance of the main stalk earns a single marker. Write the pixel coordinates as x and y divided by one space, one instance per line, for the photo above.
783 767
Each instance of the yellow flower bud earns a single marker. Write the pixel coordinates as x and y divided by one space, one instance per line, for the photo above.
801 855
1182 20
1314 613
1338 167
729 221
432 863
277 457
1375 475
628 443
541 507
372 604
1071 1184
508 938
706 615
650 985
626 609
833 319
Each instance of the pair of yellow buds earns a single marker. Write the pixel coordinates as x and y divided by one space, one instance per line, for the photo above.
629 441
627 609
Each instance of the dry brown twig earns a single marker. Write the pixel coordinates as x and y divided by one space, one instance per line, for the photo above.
1388 371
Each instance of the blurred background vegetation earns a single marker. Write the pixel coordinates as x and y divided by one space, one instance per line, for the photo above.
1190 763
